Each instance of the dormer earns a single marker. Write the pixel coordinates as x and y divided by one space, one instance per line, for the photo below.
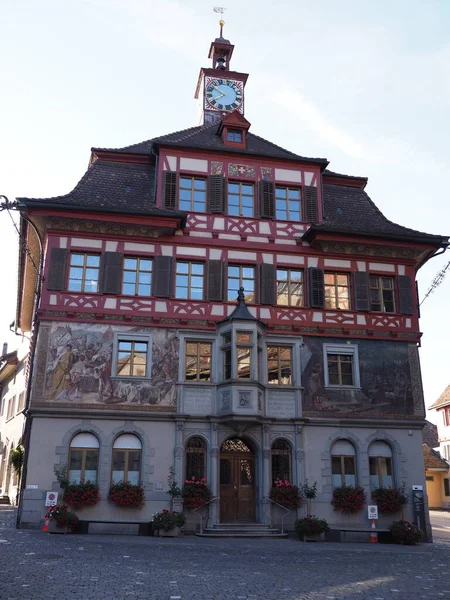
233 130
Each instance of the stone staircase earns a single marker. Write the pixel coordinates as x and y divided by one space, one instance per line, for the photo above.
241 530
4 500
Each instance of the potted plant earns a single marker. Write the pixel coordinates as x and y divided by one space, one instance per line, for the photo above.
168 523
61 519
390 500
404 532
348 499
195 493
310 528
286 494
310 493
78 495
127 494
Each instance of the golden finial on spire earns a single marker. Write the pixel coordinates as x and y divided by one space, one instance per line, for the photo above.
220 10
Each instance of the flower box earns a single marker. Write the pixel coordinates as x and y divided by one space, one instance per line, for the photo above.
174 532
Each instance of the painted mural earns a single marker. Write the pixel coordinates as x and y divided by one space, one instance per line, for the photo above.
386 383
79 367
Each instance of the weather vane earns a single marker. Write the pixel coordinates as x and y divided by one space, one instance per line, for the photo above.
220 10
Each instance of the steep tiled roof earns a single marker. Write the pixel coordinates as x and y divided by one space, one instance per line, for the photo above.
443 399
205 137
430 435
350 210
107 186
433 459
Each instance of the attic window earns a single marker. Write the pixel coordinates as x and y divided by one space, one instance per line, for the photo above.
234 135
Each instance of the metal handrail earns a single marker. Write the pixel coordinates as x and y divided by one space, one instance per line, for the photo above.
283 507
202 506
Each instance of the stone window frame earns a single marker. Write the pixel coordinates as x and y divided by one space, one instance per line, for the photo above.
204 452
202 338
342 349
292 342
132 337
342 457
83 459
127 452
274 452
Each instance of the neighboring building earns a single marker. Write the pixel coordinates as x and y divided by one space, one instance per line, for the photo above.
144 360
437 463
13 366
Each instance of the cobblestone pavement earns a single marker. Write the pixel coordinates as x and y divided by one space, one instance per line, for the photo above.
40 566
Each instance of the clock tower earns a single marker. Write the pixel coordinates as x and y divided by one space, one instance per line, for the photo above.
221 89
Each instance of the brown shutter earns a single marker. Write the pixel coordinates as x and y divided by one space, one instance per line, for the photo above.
216 193
361 286
417 299
162 276
266 199
215 280
170 189
56 279
311 208
405 299
266 284
316 288
112 265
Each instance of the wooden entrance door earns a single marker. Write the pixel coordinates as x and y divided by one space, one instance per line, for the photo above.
237 482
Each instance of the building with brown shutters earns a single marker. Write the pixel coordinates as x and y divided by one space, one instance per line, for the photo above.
145 358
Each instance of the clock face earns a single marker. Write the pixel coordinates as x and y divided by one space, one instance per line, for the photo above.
223 94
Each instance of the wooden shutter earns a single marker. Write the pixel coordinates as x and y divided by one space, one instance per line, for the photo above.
170 189
56 278
266 284
316 288
162 276
216 193
112 267
362 291
311 208
405 298
417 299
266 199
215 280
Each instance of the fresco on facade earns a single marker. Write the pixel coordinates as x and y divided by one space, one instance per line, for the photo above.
79 367
386 386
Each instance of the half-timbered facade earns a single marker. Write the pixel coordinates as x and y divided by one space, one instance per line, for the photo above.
216 303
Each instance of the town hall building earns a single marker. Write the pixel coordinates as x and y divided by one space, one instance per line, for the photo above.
218 304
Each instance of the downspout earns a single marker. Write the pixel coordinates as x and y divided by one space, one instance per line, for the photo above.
26 434
155 185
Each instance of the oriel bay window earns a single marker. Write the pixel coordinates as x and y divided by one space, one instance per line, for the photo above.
287 203
83 458
137 276
289 287
237 354
189 278
281 461
337 290
192 194
244 354
241 199
198 361
382 293
195 458
343 464
241 276
279 365
83 272
126 459
380 465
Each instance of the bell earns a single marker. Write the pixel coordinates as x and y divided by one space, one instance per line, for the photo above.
221 63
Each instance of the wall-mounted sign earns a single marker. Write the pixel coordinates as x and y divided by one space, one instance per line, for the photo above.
372 510
32 486
51 499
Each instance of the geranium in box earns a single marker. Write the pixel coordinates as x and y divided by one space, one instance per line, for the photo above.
195 493
286 494
127 494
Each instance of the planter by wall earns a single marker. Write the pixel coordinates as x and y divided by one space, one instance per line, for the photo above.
174 532
53 527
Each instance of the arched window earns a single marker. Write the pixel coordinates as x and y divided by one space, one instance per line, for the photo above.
343 463
126 459
281 460
380 465
83 458
195 458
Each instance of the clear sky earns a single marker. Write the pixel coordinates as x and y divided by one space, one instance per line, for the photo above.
364 84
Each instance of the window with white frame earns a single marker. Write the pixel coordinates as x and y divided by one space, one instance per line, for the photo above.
83 458
126 459
343 463
380 465
132 356
341 365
